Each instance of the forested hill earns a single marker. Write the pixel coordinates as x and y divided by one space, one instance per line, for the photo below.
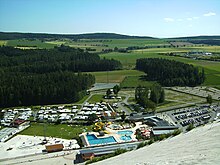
15 35
207 40
217 37
41 76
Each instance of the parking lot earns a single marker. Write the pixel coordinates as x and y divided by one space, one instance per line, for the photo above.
194 115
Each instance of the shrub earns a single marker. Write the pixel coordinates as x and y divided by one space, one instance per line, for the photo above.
176 132
142 144
190 127
117 152
150 141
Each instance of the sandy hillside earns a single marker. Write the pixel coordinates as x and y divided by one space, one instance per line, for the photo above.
199 146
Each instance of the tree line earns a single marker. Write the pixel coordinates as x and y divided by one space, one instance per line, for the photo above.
150 97
37 77
14 35
170 72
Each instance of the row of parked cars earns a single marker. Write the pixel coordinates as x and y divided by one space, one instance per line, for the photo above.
192 115
195 120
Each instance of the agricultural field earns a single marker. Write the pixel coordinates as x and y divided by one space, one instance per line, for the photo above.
61 130
100 44
135 81
124 43
3 42
30 44
128 60
114 76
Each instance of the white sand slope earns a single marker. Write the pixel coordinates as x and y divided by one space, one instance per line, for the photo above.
199 146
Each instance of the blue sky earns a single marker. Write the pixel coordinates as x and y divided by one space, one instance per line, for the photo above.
157 18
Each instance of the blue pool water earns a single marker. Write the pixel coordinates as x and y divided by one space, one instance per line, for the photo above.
126 138
125 135
125 132
94 140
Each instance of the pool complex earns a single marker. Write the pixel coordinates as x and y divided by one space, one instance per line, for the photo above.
93 140
125 135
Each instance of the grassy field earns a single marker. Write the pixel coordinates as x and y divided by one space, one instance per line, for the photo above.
30 43
114 76
134 81
3 42
60 131
123 43
212 69
100 44
96 98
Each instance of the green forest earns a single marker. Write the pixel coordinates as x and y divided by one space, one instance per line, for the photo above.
41 76
170 72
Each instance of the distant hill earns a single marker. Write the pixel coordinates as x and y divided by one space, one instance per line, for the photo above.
197 38
15 35
207 40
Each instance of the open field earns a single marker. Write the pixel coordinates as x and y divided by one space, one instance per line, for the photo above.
30 43
61 130
134 81
123 43
128 60
114 76
3 42
97 44
96 98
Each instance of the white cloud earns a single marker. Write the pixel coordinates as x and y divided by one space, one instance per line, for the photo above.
189 19
179 19
192 18
195 17
168 19
209 14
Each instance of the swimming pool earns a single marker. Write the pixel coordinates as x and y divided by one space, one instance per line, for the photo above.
125 135
125 132
126 138
93 140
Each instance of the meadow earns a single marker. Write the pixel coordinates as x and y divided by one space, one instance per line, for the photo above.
114 76
60 131
135 81
25 44
3 42
128 60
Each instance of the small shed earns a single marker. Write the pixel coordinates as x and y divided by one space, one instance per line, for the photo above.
54 147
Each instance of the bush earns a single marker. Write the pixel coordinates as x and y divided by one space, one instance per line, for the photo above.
117 152
190 127
142 144
150 141
176 132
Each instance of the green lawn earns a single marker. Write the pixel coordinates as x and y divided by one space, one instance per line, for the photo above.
96 98
82 100
134 81
60 131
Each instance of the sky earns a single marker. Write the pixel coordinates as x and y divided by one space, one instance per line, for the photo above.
156 18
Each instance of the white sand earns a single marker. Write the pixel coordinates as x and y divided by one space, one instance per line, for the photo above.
199 146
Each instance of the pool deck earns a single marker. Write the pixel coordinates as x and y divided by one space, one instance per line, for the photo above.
114 133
